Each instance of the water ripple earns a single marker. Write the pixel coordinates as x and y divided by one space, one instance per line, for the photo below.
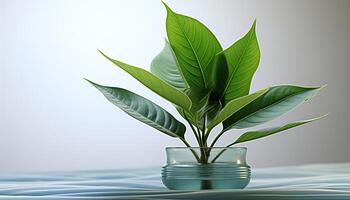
322 181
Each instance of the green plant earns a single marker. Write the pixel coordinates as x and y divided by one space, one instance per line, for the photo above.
207 85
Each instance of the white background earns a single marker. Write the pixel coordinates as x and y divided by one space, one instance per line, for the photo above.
51 119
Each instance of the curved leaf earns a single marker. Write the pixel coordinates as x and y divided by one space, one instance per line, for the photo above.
234 106
243 59
209 111
200 99
275 102
155 84
253 135
164 67
143 110
213 109
194 47
219 75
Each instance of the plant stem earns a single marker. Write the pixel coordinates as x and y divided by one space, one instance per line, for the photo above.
221 152
203 133
214 141
197 135
200 136
199 140
206 185
205 144
201 145
216 138
207 134
189 146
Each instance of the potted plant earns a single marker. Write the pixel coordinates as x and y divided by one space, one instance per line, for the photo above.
209 86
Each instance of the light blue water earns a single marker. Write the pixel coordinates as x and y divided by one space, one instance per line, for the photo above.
326 181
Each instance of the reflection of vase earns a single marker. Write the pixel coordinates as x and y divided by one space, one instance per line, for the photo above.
184 172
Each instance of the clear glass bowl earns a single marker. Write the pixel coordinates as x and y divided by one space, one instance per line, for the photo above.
228 171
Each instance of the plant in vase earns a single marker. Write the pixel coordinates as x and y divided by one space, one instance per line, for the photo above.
209 86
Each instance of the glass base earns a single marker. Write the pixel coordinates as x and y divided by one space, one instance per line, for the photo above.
194 176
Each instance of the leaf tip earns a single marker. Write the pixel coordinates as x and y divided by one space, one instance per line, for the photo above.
322 116
316 118
323 86
97 86
254 25
92 83
87 80
102 53
316 91
166 7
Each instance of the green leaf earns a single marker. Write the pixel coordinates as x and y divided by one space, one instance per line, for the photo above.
155 84
219 75
233 106
210 111
213 109
200 99
143 110
275 102
164 66
253 135
243 59
194 47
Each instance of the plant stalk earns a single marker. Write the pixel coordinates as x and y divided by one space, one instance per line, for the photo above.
189 146
221 152
197 135
217 138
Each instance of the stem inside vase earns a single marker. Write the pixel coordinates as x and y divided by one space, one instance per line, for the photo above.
206 184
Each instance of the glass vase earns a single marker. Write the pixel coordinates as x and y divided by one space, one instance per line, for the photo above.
194 169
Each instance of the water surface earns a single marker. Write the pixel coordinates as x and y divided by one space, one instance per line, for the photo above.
321 181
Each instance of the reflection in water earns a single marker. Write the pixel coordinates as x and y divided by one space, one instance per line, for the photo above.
326 181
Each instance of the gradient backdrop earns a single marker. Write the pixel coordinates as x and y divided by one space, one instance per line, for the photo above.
51 119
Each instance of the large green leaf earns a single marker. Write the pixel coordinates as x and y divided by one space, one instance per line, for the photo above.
243 59
155 84
164 66
253 135
194 47
275 102
234 106
143 110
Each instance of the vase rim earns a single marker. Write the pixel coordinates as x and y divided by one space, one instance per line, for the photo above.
244 148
